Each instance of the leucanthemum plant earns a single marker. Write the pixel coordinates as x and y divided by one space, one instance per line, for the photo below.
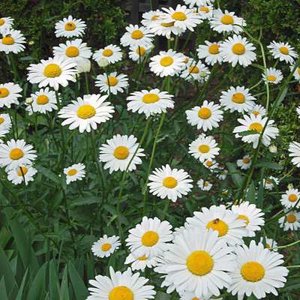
160 162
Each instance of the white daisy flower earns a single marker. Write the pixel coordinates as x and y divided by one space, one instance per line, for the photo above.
20 174
270 182
204 148
192 296
169 183
197 3
223 173
222 220
251 215
204 185
12 42
151 237
9 94
206 11
43 101
112 83
198 262
15 153
5 124
258 271
237 99
75 172
272 76
296 72
87 112
257 109
183 18
136 36
70 27
291 221
210 52
139 53
294 149
5 24
140 262
75 50
149 102
245 162
125 286
106 246
151 16
195 72
237 50
269 243
211 164
291 198
168 63
112 53
52 72
283 52
119 152
256 124
206 117
162 27
226 22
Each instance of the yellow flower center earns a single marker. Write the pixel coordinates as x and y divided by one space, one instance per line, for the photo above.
204 9
214 49
2 21
121 293
244 218
169 24
137 34
246 160
72 172
195 298
107 52
252 271
170 182
4 92
238 49
112 81
150 98
105 247
227 20
52 71
42 100
268 246
86 111
203 148
22 171
72 51
16 153
284 50
291 218
166 61
150 238
256 127
219 226
200 263
208 163
121 152
154 18
238 98
70 26
8 40
1 120
271 78
204 113
179 16
140 51
293 198
143 258
194 70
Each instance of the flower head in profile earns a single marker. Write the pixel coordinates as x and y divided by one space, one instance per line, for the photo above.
70 27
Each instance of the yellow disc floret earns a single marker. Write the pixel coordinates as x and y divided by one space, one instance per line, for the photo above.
238 49
72 51
219 226
70 26
170 182
86 111
121 152
72 172
105 247
166 61
203 148
150 98
200 263
204 113
256 127
42 100
238 98
8 40
107 52
121 293
4 92
137 34
227 20
179 16
150 238
16 153
52 71
253 271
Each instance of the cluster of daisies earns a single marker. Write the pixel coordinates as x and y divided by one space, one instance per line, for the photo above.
198 260
210 253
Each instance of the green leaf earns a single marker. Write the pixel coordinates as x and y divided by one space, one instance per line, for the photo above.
64 288
53 281
80 290
49 174
3 293
250 196
268 165
162 296
6 271
37 287
236 176
21 289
